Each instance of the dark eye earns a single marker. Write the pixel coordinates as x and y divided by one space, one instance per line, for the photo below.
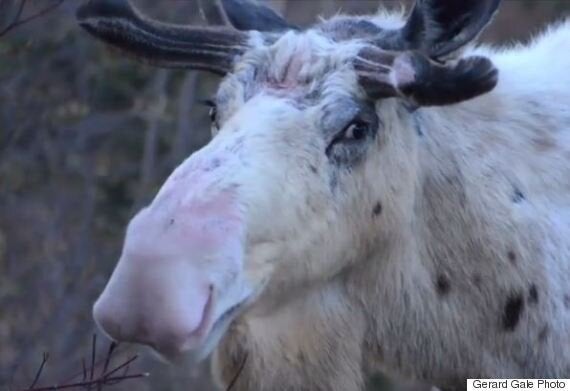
213 112
350 144
356 131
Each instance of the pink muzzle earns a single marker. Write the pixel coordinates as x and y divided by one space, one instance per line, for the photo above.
180 254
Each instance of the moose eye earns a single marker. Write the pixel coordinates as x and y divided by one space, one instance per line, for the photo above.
213 112
356 131
350 144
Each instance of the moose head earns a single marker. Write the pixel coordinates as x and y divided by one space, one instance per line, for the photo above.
312 140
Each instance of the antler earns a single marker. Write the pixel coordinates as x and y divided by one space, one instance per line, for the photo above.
413 76
118 23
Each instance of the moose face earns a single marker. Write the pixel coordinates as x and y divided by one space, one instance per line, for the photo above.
309 156
269 205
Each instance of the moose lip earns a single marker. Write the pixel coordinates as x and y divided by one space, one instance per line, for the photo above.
227 316
204 341
210 332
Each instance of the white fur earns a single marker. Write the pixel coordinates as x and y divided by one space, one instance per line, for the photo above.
463 270
349 293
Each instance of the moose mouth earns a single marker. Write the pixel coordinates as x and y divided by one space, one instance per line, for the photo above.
204 340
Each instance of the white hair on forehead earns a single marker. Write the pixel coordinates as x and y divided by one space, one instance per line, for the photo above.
303 58
385 18
390 19
299 58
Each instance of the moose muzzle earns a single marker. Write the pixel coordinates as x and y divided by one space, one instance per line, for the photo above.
179 277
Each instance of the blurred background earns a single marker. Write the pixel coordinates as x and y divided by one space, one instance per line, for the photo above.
86 138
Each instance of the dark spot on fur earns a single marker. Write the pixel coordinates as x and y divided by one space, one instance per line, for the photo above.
333 182
477 279
313 169
543 334
518 196
212 165
442 285
533 294
171 221
513 312
512 257
567 301
377 209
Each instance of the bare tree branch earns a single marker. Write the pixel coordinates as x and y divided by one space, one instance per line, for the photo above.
212 12
153 118
40 370
18 20
186 98
106 378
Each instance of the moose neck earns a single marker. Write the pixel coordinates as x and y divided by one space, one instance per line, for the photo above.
313 343
473 241
469 227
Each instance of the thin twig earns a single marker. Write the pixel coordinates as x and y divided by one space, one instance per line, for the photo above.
90 383
93 354
110 352
20 11
107 377
97 364
125 364
84 369
45 358
18 22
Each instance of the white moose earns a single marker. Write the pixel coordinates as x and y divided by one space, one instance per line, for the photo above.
377 194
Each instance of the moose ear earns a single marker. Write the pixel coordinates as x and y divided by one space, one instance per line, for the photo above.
441 27
246 15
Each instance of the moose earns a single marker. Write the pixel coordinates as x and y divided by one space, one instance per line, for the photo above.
380 193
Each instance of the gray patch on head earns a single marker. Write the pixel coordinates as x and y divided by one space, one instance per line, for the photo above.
333 182
418 125
337 115
350 28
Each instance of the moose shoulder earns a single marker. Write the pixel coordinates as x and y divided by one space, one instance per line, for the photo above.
378 193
